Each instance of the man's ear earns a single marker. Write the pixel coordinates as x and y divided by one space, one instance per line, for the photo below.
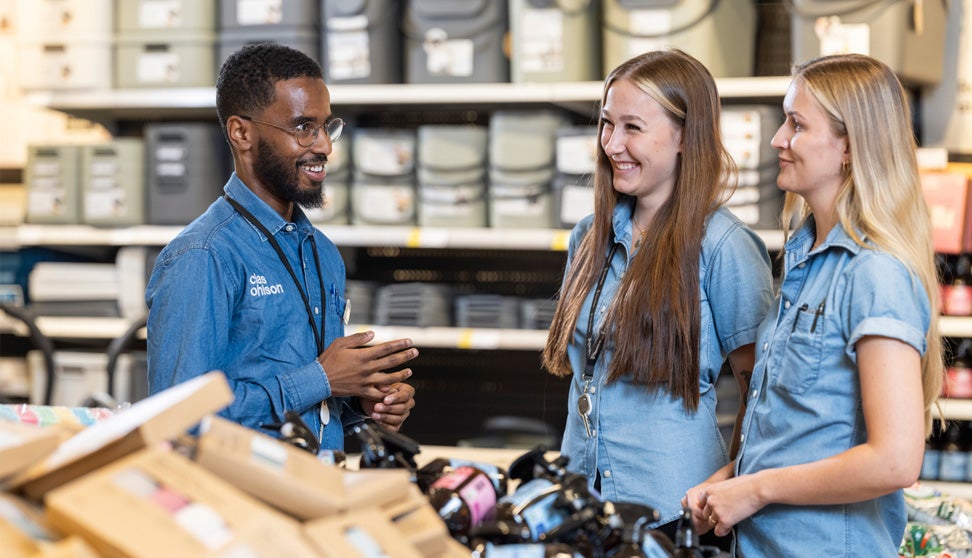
239 133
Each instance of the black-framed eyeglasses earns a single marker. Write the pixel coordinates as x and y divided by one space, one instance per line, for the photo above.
306 133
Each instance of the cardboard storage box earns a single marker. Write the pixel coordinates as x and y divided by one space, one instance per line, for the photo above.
418 523
24 533
159 503
361 534
160 417
290 478
22 445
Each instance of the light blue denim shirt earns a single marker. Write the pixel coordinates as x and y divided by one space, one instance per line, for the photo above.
805 396
220 299
647 448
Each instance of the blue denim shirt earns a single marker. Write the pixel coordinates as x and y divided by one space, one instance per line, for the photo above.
220 299
805 395
647 448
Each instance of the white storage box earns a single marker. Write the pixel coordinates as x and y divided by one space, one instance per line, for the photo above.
113 182
452 175
456 42
78 375
53 184
337 184
166 59
59 20
555 40
237 14
383 183
304 39
719 33
64 64
174 15
907 36
361 41
7 14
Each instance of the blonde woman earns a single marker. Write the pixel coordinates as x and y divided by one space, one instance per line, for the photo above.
663 286
848 363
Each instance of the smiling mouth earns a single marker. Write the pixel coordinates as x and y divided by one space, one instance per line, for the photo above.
624 166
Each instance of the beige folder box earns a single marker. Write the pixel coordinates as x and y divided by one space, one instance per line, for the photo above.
358 534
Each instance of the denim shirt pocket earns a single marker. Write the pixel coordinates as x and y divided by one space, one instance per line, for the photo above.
800 365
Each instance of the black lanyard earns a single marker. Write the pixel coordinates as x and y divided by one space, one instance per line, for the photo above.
594 342
318 334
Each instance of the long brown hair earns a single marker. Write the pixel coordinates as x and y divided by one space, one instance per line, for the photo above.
655 314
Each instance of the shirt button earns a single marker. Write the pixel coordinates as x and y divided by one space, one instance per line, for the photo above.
593 389
289 228
741 438
593 432
607 474
786 304
317 310
755 392
801 265
765 346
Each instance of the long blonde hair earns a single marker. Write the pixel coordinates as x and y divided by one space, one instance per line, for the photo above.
656 315
881 195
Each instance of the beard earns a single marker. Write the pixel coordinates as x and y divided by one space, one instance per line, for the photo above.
284 179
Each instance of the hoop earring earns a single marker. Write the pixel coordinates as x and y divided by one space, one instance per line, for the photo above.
845 167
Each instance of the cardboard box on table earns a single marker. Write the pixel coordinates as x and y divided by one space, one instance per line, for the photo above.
290 478
358 534
22 445
418 523
148 422
25 533
158 503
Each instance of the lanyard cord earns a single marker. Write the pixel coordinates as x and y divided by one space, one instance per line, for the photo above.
595 341
318 335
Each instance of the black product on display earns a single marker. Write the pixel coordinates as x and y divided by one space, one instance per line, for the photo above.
383 449
433 470
687 537
464 498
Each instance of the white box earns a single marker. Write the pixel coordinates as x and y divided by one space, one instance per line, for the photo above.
60 19
64 64
77 375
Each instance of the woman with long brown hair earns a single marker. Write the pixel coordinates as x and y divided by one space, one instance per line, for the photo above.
662 286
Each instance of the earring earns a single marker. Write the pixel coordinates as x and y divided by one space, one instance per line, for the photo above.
845 167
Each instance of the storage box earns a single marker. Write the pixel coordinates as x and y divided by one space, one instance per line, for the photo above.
23 444
160 417
720 34
165 59
63 19
573 186
113 182
947 196
361 41
64 63
7 17
418 523
289 478
187 166
361 534
452 175
337 186
304 38
79 375
157 503
261 14
135 16
456 42
907 36
26 534
383 180
52 180
555 40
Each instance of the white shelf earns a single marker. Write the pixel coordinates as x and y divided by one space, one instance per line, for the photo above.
955 326
112 104
957 489
956 409
61 327
342 235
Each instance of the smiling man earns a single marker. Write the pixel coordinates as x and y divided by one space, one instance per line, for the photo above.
252 288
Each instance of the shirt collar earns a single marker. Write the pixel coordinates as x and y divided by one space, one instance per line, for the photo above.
260 209
621 223
803 238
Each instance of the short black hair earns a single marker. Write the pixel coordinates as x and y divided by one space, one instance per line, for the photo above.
247 79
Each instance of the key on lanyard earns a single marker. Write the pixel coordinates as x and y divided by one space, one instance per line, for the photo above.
584 408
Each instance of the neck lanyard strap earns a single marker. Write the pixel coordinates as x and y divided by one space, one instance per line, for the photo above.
595 340
318 334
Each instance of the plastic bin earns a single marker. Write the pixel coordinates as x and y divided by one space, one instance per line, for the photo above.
53 185
187 166
135 16
165 59
452 175
113 182
383 180
361 41
555 40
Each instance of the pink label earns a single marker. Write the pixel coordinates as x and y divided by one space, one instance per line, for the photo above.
477 491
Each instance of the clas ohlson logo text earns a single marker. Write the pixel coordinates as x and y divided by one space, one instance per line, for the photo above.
260 287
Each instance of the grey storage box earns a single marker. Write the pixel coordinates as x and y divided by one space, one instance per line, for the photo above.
452 175
53 185
113 182
522 167
383 179
361 41
165 59
907 36
719 33
746 132
576 155
261 14
555 40
304 39
455 42
187 166
135 16
337 184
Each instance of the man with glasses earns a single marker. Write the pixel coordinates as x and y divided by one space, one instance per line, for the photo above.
253 289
